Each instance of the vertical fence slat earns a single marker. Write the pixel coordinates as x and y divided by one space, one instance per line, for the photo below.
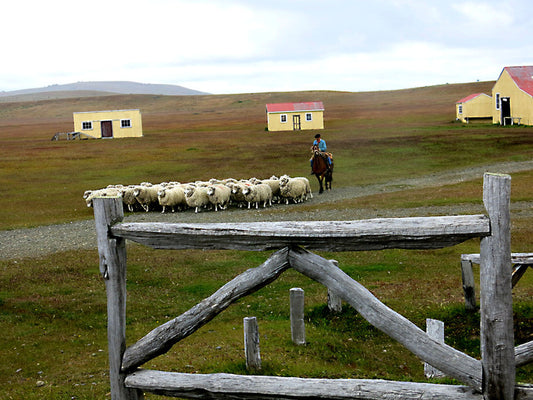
251 344
334 301
112 255
435 330
469 286
496 303
297 316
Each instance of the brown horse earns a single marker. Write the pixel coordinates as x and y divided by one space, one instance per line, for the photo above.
322 171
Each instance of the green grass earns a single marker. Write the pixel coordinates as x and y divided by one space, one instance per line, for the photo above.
53 314
53 308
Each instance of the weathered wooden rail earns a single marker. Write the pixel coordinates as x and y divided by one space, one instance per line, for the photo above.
492 377
520 263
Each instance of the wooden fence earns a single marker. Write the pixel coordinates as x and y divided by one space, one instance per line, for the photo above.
492 377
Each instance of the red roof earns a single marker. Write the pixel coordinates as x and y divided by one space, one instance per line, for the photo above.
468 98
292 107
523 77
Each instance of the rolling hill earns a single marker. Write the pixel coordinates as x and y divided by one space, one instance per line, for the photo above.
97 88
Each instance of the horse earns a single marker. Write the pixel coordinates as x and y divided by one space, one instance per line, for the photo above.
322 171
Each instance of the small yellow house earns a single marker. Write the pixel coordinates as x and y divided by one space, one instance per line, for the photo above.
109 124
513 96
295 116
475 106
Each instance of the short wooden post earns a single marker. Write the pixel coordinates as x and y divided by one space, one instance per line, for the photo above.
496 302
297 316
334 301
251 344
112 255
435 330
469 286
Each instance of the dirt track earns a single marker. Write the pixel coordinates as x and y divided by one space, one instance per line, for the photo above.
22 243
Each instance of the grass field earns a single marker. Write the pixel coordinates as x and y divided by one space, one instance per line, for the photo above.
53 314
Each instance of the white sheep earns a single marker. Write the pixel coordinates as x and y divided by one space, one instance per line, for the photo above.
256 194
273 182
196 197
173 197
297 189
146 195
89 195
219 195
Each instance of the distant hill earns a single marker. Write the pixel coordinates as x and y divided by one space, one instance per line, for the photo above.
83 89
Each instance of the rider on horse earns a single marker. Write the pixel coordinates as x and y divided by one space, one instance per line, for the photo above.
320 145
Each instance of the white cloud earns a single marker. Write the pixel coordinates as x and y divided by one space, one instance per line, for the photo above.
228 46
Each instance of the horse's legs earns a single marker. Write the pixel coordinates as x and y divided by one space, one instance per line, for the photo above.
320 179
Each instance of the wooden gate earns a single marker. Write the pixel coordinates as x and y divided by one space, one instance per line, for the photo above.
491 378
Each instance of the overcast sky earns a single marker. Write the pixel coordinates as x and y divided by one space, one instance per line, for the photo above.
238 46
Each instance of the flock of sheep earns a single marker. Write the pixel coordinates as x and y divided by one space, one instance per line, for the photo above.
213 194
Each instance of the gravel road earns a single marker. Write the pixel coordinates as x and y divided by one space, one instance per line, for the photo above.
22 243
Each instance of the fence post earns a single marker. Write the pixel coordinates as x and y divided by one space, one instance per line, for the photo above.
297 316
435 330
469 285
496 302
251 344
334 301
112 256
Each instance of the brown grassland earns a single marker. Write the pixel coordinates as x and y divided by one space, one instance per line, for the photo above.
52 306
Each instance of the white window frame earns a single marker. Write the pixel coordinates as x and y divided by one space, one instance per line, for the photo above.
283 118
460 108
308 116
87 125
125 123
498 100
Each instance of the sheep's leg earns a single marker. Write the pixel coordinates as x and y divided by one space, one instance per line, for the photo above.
162 212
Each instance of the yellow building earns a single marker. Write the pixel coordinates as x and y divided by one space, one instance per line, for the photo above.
109 124
475 106
295 116
513 96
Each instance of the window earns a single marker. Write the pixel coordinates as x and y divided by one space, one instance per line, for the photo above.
308 117
497 101
87 125
283 118
125 123
460 108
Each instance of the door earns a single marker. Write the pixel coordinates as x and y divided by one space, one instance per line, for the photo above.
505 109
296 125
107 129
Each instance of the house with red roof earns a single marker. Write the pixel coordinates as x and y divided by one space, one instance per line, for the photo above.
474 107
512 96
295 116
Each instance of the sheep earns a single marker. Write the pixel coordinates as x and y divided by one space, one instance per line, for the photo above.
172 196
237 196
196 197
219 195
255 194
273 182
89 195
297 189
128 198
146 195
